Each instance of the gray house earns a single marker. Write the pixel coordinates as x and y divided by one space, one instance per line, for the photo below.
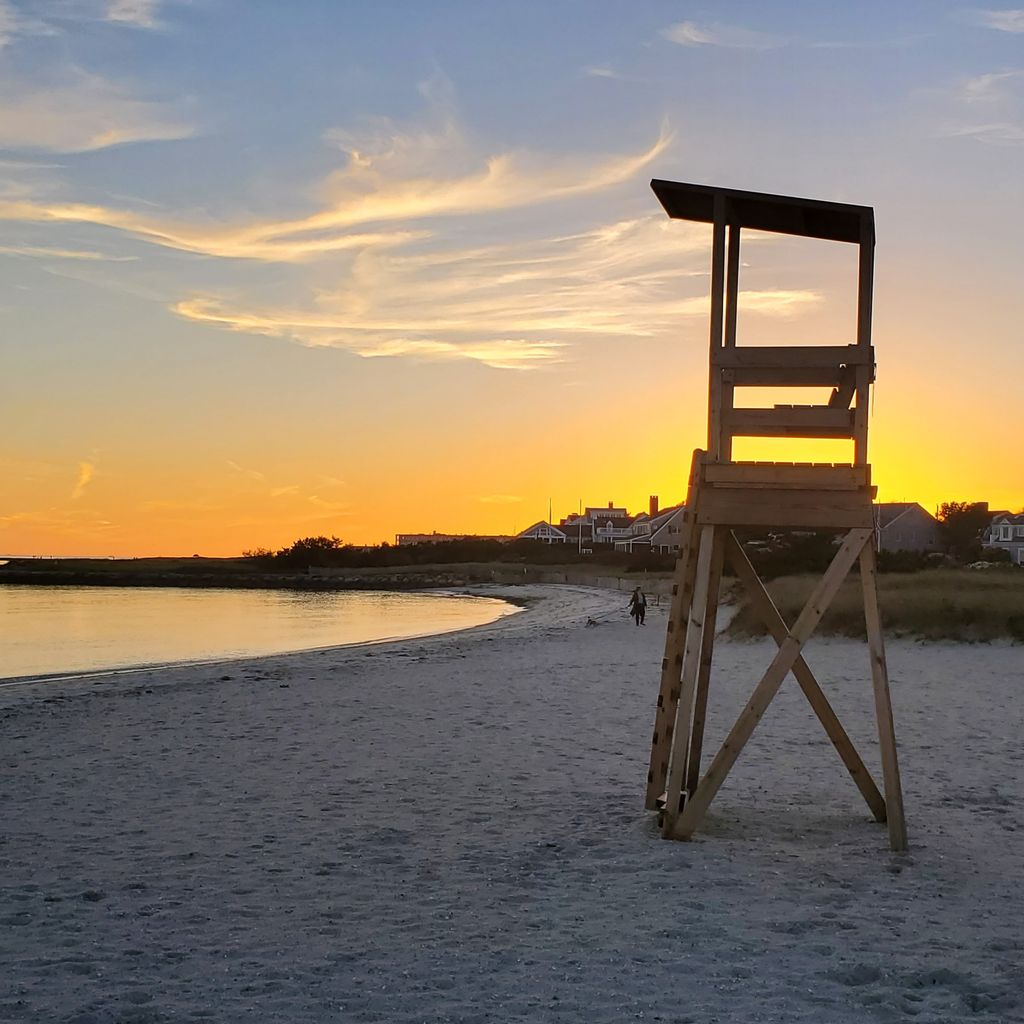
1006 531
905 526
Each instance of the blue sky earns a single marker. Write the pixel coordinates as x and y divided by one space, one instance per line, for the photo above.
271 270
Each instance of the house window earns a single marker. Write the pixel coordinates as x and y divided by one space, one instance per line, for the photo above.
1020 531
1005 532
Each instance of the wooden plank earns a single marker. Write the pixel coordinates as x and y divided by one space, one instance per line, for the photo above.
860 416
845 389
795 508
732 286
726 387
766 474
765 607
688 682
675 639
791 421
865 284
783 356
788 652
813 218
783 376
700 703
717 318
865 291
883 700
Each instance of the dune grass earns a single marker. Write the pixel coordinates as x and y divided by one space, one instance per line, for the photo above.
940 604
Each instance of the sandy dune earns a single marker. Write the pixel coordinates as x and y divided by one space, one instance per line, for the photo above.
451 830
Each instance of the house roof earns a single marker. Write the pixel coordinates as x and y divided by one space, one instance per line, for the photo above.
1013 518
664 519
812 218
537 525
887 512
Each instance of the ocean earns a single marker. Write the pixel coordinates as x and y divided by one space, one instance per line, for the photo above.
67 630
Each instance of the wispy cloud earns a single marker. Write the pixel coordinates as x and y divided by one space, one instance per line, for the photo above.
252 474
1000 133
45 252
518 306
397 282
988 108
79 113
383 181
9 23
690 33
1006 20
138 13
86 470
993 87
15 22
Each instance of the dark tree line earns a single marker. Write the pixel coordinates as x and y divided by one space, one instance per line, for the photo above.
961 530
334 553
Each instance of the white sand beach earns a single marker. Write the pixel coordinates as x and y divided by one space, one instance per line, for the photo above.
451 829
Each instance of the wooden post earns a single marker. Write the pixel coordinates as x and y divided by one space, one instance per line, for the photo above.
688 682
717 318
700 704
883 700
864 374
732 294
675 642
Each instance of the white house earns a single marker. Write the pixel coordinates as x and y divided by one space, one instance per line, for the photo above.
661 532
1006 531
543 532
667 530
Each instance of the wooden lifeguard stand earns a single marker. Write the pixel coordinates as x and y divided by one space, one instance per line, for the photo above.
724 494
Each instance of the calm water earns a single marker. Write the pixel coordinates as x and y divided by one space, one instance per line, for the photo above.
46 630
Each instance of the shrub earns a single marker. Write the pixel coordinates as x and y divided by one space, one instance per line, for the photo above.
943 604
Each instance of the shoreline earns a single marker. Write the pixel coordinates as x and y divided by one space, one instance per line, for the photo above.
407 577
522 598
516 602
452 828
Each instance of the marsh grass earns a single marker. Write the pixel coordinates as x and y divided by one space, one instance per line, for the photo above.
940 604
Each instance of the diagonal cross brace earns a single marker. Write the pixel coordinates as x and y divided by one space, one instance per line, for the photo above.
817 604
765 606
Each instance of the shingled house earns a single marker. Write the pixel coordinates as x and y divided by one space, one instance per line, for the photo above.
1006 531
905 526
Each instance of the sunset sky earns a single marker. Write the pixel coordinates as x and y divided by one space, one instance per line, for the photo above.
270 270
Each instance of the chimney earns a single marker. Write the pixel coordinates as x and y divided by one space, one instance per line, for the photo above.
610 505
653 505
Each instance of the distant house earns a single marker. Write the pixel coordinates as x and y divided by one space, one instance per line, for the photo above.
577 533
598 525
544 532
667 531
1006 531
660 532
905 526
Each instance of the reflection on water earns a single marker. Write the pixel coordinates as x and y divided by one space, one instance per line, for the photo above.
45 630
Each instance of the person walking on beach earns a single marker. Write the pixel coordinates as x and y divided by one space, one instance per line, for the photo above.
638 606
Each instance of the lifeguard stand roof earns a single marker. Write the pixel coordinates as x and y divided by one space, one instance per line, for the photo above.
812 218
